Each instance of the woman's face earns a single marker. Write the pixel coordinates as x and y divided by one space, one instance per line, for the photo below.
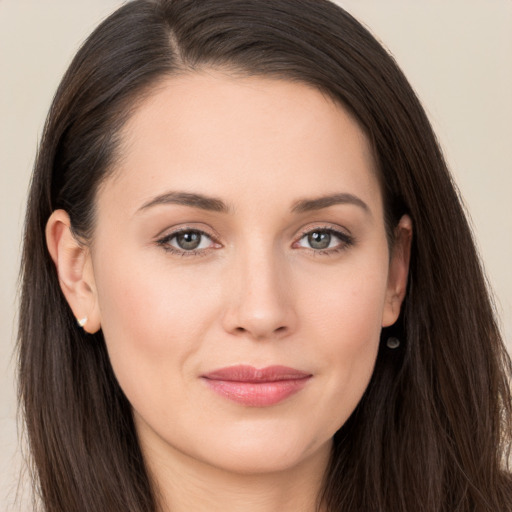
242 230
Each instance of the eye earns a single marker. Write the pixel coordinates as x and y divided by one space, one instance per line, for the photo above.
187 242
325 239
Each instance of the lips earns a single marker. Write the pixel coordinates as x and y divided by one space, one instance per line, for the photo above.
254 387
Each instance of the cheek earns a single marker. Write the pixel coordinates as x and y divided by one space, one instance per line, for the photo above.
346 302
153 321
344 317
149 302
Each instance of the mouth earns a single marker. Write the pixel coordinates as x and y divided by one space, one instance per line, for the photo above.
254 387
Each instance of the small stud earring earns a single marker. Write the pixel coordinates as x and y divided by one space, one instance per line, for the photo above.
392 343
82 321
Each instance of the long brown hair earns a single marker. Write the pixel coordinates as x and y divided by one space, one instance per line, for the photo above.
433 429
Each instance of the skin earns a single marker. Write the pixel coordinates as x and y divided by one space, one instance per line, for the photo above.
257 291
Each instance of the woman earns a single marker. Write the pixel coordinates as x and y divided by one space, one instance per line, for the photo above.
248 283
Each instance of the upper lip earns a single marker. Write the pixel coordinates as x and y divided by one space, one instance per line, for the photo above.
246 373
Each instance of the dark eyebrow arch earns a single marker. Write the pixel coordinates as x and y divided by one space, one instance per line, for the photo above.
188 199
307 205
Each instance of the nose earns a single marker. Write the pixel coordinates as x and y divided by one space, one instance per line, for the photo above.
260 304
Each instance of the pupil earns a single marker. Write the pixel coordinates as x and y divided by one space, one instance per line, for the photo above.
189 240
319 240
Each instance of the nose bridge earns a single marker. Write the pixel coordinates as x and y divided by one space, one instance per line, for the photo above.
260 304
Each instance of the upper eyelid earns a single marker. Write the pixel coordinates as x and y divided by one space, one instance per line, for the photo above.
325 227
343 237
167 235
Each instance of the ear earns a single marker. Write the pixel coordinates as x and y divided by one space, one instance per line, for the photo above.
398 271
74 269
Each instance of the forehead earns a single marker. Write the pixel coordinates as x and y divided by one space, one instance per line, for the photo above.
227 136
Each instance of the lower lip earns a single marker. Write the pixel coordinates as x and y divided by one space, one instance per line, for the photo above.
257 394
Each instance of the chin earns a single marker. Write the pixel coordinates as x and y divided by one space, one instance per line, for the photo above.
266 453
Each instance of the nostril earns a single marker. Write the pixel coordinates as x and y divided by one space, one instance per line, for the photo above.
279 330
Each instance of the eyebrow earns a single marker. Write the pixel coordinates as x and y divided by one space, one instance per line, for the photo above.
188 199
307 205
217 205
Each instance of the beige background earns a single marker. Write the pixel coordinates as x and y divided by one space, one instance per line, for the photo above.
456 53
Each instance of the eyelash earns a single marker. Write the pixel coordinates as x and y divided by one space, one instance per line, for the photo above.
346 241
165 243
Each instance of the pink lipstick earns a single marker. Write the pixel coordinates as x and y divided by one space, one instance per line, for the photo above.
254 387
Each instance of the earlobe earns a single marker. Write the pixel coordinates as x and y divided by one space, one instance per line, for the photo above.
398 271
74 269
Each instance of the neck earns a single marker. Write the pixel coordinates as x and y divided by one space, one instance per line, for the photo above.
185 484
